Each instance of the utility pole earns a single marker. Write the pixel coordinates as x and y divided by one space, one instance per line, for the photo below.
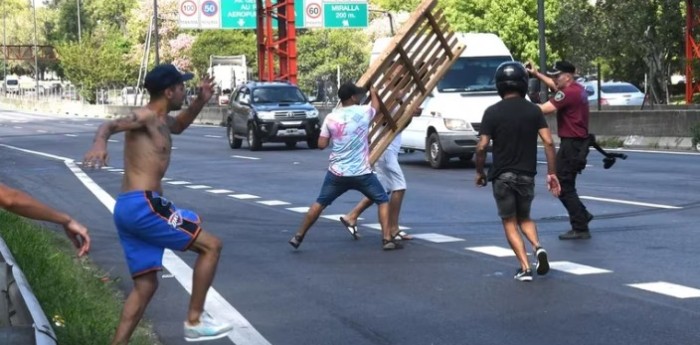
36 55
543 49
4 46
79 34
155 28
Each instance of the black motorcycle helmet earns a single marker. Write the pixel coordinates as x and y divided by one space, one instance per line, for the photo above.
511 76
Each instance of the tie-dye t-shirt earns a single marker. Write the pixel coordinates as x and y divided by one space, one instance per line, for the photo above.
348 128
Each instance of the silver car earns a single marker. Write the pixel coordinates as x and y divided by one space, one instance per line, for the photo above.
614 93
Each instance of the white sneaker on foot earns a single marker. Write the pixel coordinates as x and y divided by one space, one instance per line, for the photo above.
206 329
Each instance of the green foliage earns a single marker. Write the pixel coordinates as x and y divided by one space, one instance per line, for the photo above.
515 21
95 63
321 52
223 42
71 290
397 5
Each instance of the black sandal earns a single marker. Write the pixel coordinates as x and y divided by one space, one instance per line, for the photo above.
296 241
391 245
351 228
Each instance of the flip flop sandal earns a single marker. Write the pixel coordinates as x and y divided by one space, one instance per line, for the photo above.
350 228
403 236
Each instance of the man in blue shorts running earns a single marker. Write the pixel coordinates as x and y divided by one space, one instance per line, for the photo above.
148 223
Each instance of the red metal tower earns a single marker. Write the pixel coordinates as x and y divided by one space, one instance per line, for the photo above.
276 45
692 47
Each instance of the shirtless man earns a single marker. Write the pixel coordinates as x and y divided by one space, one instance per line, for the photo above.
148 223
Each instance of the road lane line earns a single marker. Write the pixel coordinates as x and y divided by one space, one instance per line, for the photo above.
437 238
219 191
377 226
246 157
243 332
496 251
71 135
244 196
577 269
42 131
668 289
213 136
178 183
299 209
273 202
198 186
635 203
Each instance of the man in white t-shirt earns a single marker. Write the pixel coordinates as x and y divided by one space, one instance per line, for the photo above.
346 129
391 177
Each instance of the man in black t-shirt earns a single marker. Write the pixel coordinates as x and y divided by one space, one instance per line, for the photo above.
514 124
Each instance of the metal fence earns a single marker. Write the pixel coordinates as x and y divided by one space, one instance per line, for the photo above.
102 96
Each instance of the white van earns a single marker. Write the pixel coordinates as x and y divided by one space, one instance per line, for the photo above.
448 125
12 84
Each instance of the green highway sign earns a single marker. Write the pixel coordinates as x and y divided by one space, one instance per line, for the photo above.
238 14
348 15
242 14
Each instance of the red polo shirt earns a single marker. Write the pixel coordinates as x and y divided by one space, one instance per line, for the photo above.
572 111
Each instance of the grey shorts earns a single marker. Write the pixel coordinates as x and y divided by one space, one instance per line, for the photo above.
389 172
514 194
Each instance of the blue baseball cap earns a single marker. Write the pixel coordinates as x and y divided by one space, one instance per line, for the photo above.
164 76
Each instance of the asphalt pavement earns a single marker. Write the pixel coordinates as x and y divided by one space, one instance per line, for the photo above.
634 282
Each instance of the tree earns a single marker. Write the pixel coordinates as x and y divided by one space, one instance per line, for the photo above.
514 21
321 52
223 42
96 62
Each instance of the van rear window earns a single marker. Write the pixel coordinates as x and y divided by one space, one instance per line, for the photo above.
12 82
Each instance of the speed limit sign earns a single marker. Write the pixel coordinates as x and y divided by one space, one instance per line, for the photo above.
313 10
188 8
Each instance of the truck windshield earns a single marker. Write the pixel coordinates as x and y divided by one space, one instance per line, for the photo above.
283 94
472 74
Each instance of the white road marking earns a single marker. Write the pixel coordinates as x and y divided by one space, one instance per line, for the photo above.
173 148
219 191
71 135
177 183
166 179
336 217
636 203
243 332
668 289
577 269
299 209
545 163
112 141
198 186
437 238
496 251
273 202
18 127
377 226
244 196
41 131
114 170
213 136
246 157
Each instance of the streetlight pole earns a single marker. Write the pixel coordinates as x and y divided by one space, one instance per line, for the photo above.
4 46
155 28
36 55
543 50
79 34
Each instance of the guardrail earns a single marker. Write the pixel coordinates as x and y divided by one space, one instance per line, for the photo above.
22 321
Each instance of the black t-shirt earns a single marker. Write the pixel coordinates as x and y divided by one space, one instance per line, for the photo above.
513 125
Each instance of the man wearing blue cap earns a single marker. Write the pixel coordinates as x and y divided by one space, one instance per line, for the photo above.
148 223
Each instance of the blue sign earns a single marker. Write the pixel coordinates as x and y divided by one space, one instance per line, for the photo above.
210 8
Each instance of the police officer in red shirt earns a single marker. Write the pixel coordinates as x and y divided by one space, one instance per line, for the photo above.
570 102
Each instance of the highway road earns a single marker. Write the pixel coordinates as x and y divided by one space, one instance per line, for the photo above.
634 282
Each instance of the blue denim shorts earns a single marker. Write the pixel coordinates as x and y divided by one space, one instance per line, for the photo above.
368 184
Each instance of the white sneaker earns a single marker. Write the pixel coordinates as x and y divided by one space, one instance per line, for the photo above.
207 329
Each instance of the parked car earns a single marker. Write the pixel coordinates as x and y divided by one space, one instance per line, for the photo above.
271 112
614 93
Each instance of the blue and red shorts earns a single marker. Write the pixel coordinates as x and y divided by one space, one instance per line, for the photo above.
148 223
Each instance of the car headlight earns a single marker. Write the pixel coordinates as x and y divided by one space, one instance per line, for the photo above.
266 115
458 125
311 114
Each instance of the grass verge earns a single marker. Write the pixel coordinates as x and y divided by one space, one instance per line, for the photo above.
80 301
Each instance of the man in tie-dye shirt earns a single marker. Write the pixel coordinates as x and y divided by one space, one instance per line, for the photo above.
346 129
